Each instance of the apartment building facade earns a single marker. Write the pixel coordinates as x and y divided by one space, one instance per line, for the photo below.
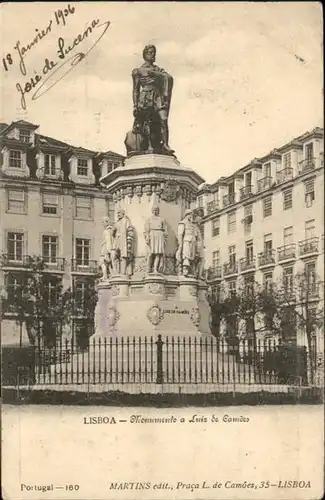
266 221
52 205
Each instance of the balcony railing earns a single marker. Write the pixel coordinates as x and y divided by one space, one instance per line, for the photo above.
245 192
266 258
19 261
84 266
56 264
230 268
306 165
43 174
287 252
264 183
229 199
214 272
308 246
212 206
310 291
284 175
247 263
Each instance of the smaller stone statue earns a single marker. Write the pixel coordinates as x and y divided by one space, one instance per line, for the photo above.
123 243
199 258
105 259
190 246
155 235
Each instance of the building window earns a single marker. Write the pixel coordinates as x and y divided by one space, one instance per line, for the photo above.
14 284
15 246
309 152
248 210
81 289
50 287
16 201
232 288
115 165
110 210
288 279
82 251
267 170
309 192
82 168
24 136
268 244
49 164
249 284
215 197
310 229
231 222
249 251
310 270
200 201
311 279
50 203
268 281
49 248
232 255
216 226
267 206
15 159
287 235
83 207
287 199
287 160
216 259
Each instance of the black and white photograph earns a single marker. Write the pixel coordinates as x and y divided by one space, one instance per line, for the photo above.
162 250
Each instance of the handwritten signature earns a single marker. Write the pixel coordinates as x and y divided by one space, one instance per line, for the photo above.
55 72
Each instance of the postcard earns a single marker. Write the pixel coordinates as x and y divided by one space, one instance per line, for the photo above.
162 250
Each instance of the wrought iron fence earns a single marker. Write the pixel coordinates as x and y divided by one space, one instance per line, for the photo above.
171 360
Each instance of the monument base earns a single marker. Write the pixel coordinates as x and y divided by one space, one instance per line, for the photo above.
165 305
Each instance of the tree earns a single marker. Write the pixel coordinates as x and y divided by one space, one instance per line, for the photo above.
40 302
84 304
300 305
215 300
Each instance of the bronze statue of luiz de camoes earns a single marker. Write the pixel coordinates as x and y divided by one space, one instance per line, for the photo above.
152 91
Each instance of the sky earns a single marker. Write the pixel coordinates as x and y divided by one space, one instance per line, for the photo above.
247 76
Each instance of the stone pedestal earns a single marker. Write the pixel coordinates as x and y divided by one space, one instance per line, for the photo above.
152 304
166 305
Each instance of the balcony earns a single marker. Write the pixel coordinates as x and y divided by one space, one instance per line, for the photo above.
15 261
264 183
230 268
10 261
284 175
44 174
309 246
287 252
229 199
306 165
214 272
245 192
54 264
310 291
247 264
266 258
212 206
84 266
